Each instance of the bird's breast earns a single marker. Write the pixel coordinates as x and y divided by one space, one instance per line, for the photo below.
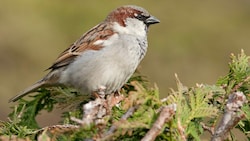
110 66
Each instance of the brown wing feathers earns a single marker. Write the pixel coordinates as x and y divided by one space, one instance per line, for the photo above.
86 42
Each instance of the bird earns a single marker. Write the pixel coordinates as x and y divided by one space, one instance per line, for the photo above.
103 59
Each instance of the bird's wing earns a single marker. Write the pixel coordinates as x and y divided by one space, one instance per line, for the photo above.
100 32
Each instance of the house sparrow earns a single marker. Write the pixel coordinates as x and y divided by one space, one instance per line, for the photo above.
105 57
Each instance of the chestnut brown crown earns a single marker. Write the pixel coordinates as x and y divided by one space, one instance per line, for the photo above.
131 11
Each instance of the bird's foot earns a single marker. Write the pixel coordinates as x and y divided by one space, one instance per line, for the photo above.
100 93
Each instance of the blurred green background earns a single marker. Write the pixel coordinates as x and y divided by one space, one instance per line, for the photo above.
194 39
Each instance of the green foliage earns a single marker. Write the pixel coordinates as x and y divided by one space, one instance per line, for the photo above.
28 110
238 77
195 107
14 125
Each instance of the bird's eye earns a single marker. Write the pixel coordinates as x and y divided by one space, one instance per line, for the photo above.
141 17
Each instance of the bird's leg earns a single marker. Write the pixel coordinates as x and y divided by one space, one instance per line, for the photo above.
100 92
116 98
117 93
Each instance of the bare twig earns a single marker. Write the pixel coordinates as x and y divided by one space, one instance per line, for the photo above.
129 113
210 129
181 130
58 128
231 116
166 114
240 84
114 127
78 121
51 132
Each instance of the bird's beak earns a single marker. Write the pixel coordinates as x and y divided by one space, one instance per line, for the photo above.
152 20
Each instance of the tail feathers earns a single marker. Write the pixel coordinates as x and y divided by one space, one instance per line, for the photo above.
30 89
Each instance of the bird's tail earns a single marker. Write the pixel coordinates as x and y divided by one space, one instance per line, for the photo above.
30 89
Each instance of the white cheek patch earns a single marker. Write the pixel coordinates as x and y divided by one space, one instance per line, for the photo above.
120 29
133 27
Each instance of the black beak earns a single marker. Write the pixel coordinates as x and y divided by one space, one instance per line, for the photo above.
152 20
